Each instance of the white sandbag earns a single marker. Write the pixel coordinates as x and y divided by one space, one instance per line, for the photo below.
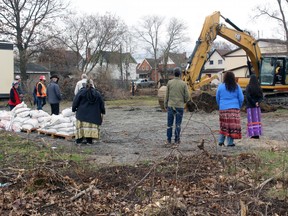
4 124
16 127
67 112
51 130
62 125
27 127
44 119
23 114
22 109
33 122
67 130
19 106
58 119
5 115
38 113
72 119
20 119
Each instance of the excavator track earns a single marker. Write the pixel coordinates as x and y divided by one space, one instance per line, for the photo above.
277 99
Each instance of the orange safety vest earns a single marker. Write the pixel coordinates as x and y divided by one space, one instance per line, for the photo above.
43 90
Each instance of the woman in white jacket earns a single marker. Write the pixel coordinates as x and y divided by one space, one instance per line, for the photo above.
80 84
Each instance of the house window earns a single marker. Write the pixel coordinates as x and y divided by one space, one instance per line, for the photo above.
211 62
220 61
143 68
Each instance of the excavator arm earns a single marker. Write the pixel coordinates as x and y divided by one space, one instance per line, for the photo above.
211 29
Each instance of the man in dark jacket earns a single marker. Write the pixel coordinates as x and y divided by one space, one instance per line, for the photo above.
54 94
90 108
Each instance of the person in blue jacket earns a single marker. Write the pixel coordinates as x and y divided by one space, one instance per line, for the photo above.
229 97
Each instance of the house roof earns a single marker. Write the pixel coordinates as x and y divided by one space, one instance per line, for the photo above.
180 59
115 57
222 52
151 61
31 67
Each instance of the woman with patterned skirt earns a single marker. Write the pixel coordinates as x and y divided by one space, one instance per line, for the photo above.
254 96
90 108
229 97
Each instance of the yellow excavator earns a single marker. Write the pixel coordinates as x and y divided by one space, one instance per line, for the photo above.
263 67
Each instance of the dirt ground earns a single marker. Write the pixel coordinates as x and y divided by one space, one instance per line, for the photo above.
133 134
182 181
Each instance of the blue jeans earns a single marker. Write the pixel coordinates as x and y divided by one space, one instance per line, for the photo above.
176 113
41 101
221 139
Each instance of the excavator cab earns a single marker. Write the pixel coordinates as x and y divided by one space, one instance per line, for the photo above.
273 71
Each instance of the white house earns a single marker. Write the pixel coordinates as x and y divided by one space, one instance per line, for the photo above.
215 64
236 60
121 66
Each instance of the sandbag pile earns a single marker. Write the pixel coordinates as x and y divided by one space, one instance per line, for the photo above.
62 124
24 118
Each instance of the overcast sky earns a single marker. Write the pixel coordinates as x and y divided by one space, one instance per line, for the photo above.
191 12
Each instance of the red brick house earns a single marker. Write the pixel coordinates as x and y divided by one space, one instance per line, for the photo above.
146 70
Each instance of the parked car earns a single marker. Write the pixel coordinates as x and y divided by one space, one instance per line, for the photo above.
144 83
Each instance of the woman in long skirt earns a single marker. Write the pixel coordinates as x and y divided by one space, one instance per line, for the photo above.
254 96
229 97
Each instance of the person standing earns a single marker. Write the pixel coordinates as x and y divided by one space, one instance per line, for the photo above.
254 97
41 93
14 97
229 97
81 83
90 108
19 89
54 94
176 97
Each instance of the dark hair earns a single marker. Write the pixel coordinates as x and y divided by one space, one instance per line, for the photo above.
177 71
254 86
230 81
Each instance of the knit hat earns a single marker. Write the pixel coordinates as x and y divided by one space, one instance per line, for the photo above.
15 82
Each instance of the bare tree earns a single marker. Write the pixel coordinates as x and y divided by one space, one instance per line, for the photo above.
222 45
277 14
92 34
149 31
27 23
176 35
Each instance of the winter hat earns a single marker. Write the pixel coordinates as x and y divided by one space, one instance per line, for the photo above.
15 82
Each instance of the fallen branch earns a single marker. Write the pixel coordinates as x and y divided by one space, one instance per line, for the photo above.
82 193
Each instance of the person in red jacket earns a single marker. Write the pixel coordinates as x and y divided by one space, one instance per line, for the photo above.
14 98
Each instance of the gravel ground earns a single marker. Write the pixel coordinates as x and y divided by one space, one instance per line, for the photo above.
133 134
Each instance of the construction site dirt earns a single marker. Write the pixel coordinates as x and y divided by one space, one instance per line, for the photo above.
130 135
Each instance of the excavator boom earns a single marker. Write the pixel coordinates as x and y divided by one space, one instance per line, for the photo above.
211 29
264 68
